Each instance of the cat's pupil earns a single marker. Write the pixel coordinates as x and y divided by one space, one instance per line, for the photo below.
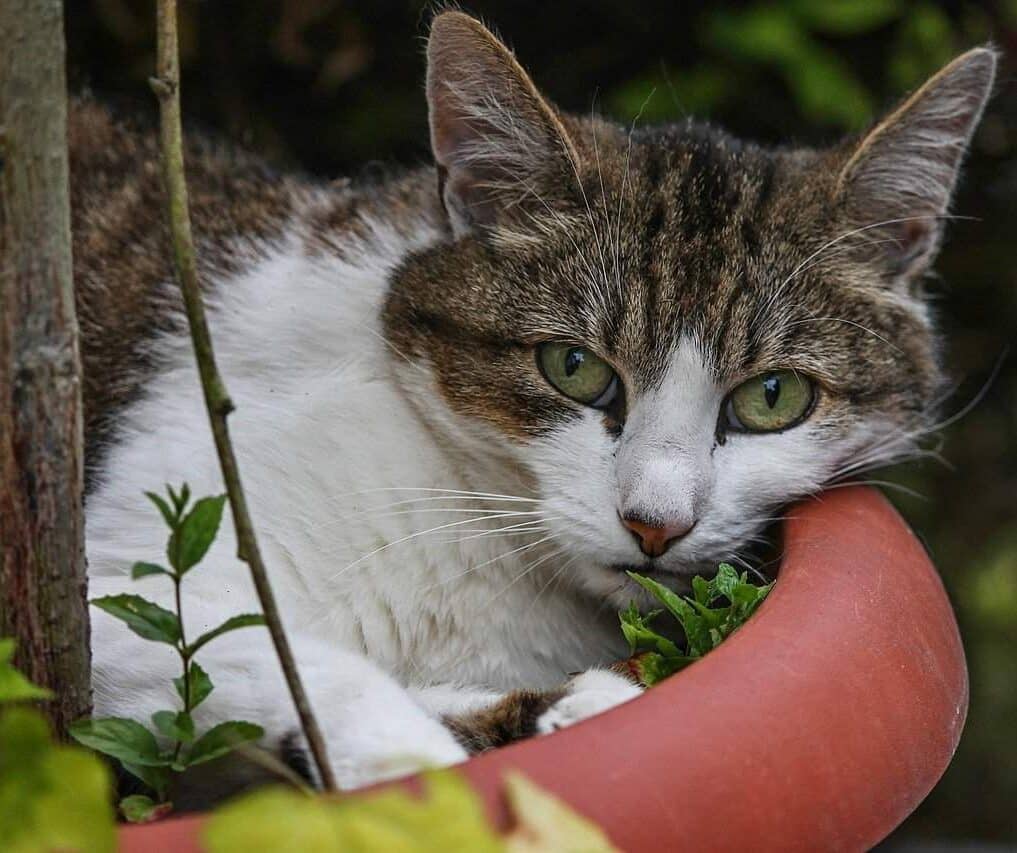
573 361
771 390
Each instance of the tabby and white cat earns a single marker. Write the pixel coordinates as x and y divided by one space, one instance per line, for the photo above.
471 396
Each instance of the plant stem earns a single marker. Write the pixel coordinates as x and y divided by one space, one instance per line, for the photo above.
167 88
184 657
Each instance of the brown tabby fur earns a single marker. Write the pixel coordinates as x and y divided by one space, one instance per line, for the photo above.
625 239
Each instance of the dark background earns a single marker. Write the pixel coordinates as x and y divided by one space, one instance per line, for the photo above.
334 87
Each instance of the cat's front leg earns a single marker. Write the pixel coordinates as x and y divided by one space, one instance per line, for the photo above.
373 728
524 713
585 696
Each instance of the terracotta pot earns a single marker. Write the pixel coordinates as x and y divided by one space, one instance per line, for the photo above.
819 726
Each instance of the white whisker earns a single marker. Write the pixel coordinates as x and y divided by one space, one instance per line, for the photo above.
402 539
519 550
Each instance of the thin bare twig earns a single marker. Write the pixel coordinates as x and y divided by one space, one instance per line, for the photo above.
167 88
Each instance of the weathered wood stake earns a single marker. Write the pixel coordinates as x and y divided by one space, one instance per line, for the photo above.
42 565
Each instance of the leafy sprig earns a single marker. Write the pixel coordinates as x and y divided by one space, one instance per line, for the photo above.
714 611
137 747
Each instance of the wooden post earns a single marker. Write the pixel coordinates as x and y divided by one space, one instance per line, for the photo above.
42 566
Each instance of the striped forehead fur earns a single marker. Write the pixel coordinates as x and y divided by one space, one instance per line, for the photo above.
671 230
623 240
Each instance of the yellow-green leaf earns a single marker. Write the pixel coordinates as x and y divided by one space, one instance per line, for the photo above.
51 797
546 825
272 819
448 817
14 687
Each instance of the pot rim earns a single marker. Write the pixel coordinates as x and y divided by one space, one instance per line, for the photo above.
837 708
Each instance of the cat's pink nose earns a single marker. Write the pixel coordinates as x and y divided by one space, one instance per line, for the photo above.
653 540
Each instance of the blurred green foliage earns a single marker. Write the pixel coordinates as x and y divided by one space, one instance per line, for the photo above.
52 797
331 86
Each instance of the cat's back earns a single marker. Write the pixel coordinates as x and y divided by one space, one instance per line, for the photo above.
122 254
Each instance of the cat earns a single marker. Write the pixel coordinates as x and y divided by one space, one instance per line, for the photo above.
471 395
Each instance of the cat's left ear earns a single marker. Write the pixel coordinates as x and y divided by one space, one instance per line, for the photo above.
500 147
897 183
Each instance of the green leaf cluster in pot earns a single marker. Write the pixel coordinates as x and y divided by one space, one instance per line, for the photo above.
714 611
172 743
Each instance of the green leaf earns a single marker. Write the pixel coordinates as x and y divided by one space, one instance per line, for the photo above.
179 500
678 607
144 618
705 622
641 637
701 590
762 33
827 88
157 778
14 687
847 17
195 534
143 570
168 515
272 819
51 797
177 725
141 809
725 581
449 816
222 739
126 740
244 620
201 686
654 668
711 617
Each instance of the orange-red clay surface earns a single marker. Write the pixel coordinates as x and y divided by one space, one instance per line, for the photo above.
819 726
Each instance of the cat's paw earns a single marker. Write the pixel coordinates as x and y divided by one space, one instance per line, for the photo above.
588 694
377 762
385 736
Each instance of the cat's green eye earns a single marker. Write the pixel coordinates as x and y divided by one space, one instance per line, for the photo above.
770 402
578 373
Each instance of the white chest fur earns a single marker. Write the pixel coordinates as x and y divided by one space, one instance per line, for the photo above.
344 479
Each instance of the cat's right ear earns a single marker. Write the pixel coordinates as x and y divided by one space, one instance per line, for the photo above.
897 182
499 145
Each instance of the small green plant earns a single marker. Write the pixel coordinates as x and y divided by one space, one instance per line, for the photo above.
136 747
714 611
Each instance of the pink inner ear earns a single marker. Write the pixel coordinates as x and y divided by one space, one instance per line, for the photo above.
491 131
914 232
916 239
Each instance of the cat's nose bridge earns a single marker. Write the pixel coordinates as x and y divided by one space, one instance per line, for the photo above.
660 494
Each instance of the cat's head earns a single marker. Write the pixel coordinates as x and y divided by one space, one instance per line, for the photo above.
674 331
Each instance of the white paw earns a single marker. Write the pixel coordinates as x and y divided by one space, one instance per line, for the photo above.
588 694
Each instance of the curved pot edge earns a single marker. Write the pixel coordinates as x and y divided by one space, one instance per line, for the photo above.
831 742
